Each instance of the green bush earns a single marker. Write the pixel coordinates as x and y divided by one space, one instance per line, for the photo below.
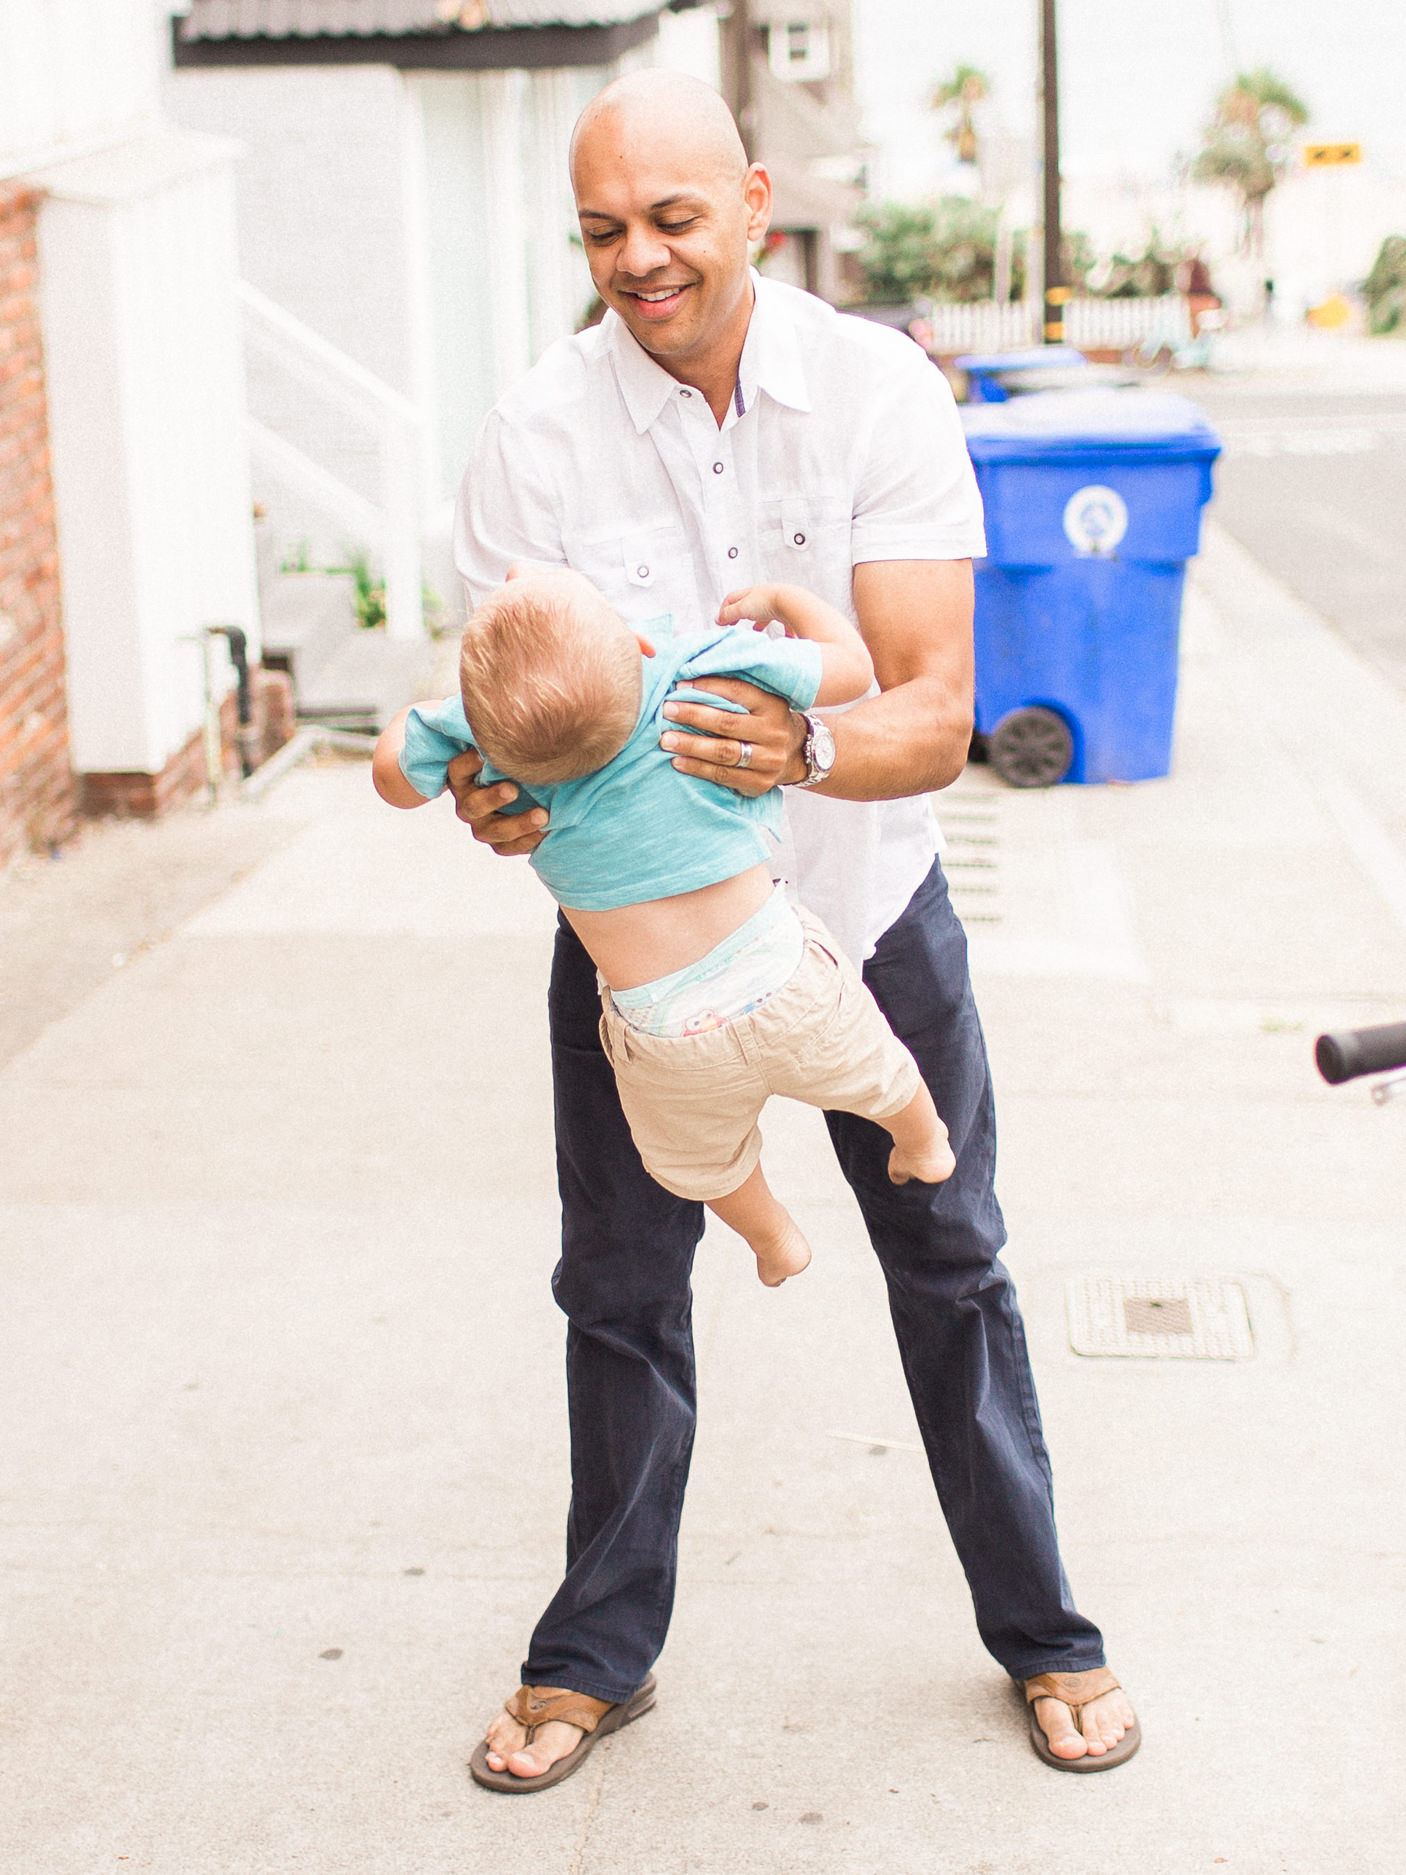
1139 276
943 250
1384 289
946 251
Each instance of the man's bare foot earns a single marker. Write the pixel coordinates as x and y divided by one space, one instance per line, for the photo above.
1103 1721
930 1167
785 1254
508 1749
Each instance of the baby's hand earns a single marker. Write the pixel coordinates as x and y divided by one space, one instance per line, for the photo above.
760 604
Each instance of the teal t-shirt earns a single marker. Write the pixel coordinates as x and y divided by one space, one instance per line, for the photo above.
637 829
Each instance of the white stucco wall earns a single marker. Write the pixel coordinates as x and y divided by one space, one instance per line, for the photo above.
143 367
423 224
146 417
74 75
689 42
505 279
322 196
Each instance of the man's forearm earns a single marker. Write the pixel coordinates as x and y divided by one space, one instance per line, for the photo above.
909 740
916 616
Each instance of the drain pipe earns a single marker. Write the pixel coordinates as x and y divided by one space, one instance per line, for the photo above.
246 736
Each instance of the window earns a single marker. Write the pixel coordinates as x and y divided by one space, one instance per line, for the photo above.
799 49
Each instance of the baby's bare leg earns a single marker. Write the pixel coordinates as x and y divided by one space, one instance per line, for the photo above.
756 1213
920 1147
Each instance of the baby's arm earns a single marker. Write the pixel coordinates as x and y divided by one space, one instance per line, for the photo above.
386 771
847 670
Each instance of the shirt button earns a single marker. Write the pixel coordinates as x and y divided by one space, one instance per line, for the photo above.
732 553
799 539
642 571
685 393
717 468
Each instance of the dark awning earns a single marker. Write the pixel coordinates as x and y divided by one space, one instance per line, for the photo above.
463 35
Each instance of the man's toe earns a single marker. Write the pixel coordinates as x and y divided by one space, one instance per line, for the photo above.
551 1742
525 1764
1057 1722
1104 1727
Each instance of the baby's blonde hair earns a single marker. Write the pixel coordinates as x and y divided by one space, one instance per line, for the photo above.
550 680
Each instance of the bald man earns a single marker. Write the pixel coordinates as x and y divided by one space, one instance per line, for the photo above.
717 430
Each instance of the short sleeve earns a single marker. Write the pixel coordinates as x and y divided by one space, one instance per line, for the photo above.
506 510
790 668
432 739
916 496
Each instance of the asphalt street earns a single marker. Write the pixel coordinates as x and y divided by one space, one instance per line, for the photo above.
1313 484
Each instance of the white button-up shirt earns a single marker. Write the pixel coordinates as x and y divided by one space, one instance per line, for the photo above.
841 445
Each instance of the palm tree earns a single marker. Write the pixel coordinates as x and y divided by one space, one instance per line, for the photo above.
964 89
1246 144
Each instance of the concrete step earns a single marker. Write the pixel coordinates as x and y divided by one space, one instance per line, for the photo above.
366 680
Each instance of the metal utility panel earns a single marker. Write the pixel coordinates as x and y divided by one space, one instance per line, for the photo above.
1152 1318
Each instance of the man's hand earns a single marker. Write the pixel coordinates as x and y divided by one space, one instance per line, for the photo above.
771 730
478 808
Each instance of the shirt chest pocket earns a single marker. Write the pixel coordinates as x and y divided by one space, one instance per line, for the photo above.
796 526
806 539
641 572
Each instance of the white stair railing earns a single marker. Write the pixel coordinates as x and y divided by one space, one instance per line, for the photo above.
393 521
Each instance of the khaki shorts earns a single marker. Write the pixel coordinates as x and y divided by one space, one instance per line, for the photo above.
692 1101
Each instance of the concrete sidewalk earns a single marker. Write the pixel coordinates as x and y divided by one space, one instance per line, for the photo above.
286 1472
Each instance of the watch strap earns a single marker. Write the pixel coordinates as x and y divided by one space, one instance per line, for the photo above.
814 772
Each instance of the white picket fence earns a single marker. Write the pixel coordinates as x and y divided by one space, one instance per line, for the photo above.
986 326
1126 323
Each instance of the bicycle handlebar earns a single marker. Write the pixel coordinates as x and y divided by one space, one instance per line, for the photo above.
1348 1053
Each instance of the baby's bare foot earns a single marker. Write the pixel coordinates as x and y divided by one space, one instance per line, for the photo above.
928 1167
785 1255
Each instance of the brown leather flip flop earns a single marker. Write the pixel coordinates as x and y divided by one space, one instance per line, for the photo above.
537 1705
1077 1690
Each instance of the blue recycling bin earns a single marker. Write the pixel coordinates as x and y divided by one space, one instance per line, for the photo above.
988 372
1093 508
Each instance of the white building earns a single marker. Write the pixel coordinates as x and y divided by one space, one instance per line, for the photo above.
404 208
144 382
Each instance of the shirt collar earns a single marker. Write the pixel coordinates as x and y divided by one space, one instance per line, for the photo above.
771 357
771 362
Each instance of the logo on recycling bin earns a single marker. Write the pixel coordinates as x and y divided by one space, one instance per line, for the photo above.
1095 520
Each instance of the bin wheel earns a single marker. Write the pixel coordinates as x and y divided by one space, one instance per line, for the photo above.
1032 748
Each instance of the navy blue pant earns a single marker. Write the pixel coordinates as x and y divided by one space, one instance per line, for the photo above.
623 1282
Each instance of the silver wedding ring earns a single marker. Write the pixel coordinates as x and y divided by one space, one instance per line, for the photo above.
744 755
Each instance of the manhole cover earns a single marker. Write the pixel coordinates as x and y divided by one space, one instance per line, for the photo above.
1174 1318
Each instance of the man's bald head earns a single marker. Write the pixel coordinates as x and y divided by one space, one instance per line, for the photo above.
661 113
670 209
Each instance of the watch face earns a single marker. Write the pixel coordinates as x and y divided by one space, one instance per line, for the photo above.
823 749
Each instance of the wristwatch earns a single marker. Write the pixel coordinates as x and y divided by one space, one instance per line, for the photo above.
817 751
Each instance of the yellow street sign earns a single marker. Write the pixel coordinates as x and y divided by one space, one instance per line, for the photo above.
1329 155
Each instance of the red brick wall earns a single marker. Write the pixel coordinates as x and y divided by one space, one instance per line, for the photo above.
139 796
37 793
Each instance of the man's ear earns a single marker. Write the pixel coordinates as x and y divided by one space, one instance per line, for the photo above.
756 194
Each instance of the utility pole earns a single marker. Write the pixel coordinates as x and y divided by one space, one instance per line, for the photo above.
1056 292
737 67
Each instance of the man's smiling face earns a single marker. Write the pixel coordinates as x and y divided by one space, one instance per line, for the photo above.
668 212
